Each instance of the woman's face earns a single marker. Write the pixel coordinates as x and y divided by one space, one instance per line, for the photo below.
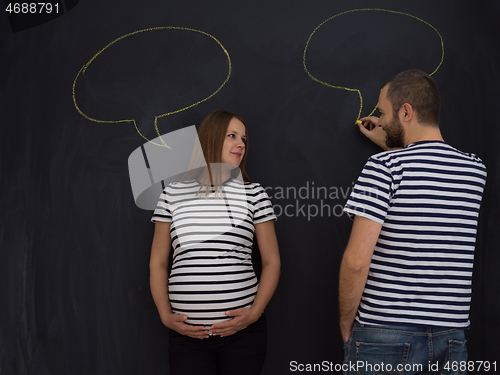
234 143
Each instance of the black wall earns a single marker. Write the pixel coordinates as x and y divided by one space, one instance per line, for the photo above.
75 248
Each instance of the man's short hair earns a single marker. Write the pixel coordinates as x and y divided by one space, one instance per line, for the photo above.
419 90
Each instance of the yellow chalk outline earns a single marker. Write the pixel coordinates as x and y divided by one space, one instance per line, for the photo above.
84 68
356 90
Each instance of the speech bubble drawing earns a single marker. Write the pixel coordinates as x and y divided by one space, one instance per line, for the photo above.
146 71
336 50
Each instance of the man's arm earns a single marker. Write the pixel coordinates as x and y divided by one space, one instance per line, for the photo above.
354 270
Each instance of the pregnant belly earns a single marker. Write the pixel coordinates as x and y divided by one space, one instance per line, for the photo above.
205 298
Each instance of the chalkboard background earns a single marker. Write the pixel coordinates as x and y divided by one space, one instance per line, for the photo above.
75 248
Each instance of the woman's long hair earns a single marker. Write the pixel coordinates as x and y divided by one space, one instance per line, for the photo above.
212 134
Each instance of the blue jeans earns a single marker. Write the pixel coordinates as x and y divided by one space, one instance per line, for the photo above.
404 350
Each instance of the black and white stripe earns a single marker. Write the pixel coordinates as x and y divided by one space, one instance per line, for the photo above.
427 196
212 239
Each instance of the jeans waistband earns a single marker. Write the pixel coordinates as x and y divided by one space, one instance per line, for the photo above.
414 329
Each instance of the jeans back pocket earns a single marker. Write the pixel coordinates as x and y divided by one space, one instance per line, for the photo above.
377 358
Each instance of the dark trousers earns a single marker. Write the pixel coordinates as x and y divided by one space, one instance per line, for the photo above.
240 354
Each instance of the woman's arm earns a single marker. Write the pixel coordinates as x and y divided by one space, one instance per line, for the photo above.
158 280
271 266
271 269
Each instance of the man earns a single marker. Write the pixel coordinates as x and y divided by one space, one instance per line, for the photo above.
405 277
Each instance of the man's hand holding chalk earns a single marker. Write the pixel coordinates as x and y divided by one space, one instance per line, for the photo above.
372 129
369 123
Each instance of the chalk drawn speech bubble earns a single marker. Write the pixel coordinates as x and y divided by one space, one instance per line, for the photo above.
158 71
354 41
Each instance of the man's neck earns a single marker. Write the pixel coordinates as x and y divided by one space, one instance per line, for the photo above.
421 133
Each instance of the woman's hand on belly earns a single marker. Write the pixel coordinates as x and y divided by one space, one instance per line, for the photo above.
176 322
242 318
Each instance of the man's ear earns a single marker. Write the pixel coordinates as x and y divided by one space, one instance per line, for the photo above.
406 112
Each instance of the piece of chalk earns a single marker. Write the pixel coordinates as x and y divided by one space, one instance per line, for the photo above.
359 122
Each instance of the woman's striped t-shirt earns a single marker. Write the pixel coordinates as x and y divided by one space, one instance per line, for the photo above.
212 239
427 198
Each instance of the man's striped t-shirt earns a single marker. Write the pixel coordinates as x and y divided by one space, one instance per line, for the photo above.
212 239
427 198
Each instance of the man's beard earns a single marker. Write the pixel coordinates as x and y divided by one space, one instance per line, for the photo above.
395 134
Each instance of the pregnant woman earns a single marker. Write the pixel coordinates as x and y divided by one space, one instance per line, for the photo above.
212 302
